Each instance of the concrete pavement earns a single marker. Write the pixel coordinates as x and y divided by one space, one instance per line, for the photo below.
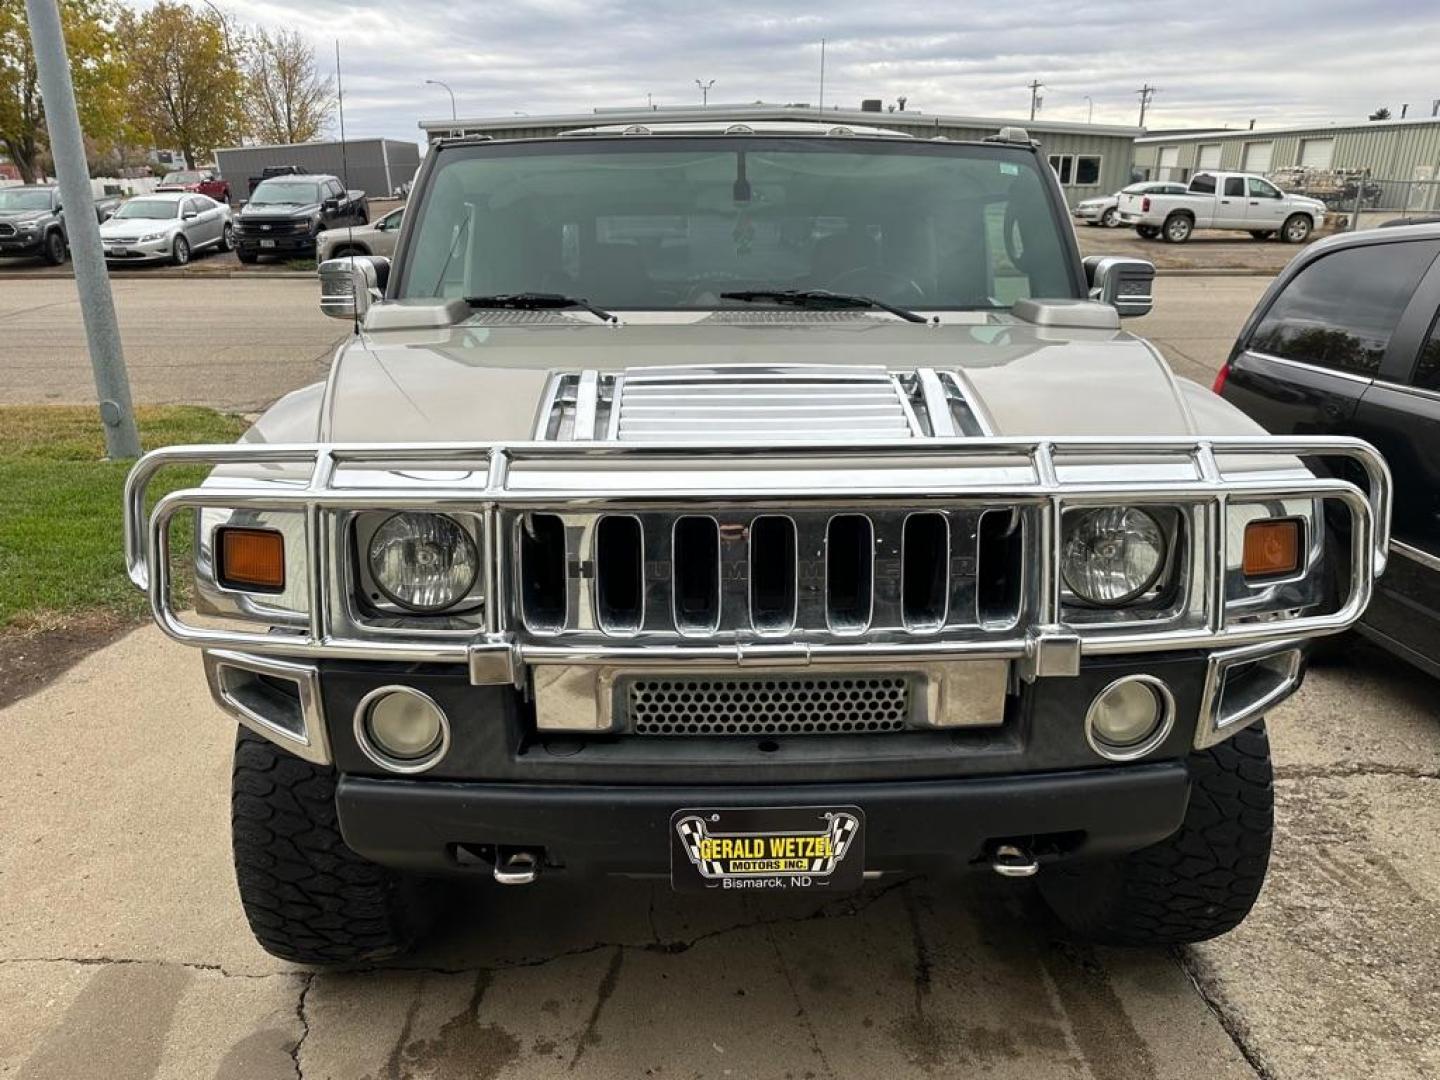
239 344
123 952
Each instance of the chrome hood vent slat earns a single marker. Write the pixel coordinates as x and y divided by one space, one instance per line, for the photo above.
757 403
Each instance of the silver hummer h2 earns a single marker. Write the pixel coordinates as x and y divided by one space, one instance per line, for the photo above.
769 507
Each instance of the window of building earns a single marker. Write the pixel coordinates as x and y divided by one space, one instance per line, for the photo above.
1340 311
1087 169
1064 165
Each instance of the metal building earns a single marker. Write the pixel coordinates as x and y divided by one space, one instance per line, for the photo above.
1388 150
1090 159
376 166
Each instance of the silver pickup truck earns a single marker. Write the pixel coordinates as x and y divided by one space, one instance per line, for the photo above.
1240 201
757 507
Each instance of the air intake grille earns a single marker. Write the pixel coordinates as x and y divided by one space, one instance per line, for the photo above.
774 706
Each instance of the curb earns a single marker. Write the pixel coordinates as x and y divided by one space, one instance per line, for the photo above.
173 275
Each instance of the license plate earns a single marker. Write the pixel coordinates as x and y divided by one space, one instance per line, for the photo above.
267 243
767 848
119 251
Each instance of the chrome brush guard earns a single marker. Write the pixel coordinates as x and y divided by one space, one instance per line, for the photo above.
502 485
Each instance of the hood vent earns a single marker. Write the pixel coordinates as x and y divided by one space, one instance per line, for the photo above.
756 403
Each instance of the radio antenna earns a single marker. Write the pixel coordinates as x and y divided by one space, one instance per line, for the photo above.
345 169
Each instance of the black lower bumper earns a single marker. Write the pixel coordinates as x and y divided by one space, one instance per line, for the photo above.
915 825
276 245
13 248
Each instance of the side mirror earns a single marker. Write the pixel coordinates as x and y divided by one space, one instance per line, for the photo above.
1127 285
348 286
332 205
189 214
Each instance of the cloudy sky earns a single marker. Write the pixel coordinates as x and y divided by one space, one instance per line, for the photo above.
1277 61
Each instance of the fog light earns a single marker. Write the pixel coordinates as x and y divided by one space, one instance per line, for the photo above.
401 730
1130 717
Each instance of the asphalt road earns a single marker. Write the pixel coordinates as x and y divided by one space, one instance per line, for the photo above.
123 953
239 344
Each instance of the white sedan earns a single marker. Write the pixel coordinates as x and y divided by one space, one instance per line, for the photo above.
1106 209
166 226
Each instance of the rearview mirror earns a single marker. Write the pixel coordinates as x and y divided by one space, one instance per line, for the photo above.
1127 285
348 286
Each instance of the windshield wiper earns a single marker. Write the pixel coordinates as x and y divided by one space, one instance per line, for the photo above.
821 298
538 301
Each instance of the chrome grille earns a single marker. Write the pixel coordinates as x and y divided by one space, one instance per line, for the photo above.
767 706
752 574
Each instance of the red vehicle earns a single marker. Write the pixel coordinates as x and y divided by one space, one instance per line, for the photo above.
200 181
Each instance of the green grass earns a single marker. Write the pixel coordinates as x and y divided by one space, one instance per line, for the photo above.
60 506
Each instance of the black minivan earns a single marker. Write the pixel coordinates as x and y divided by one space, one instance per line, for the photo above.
1346 341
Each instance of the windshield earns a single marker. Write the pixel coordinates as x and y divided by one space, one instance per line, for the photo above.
183 178
149 208
286 192
674 222
24 200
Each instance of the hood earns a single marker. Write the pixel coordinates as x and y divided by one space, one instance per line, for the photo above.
134 228
15 217
473 382
280 210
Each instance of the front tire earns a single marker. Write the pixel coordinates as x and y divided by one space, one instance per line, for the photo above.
54 250
1111 218
1296 229
307 896
1199 882
227 237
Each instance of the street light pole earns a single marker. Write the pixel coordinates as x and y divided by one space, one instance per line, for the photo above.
704 91
437 82
97 306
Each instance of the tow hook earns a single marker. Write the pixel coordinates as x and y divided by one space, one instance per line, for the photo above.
517 868
1010 861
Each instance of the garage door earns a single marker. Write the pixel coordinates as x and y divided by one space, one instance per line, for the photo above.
1257 157
1209 156
1169 163
1317 153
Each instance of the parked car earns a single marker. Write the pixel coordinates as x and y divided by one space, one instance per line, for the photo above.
377 238
286 215
1346 341
197 182
1106 209
32 222
169 226
1219 200
640 530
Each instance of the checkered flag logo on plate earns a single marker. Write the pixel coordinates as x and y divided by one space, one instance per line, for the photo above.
693 830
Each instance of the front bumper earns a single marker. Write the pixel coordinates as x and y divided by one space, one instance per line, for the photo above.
1088 213
134 251
929 825
22 244
277 244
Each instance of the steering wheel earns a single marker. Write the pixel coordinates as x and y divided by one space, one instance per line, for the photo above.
897 288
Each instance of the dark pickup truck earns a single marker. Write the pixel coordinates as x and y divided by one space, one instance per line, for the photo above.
286 214
32 222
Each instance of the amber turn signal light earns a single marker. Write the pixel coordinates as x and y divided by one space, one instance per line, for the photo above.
252 560
1272 548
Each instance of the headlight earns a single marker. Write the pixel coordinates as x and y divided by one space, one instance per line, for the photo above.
424 562
150 237
1112 555
28 226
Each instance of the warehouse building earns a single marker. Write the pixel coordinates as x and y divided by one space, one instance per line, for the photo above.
1400 159
1090 159
375 166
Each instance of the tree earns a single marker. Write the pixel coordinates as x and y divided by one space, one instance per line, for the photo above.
186 85
1381 113
288 101
97 69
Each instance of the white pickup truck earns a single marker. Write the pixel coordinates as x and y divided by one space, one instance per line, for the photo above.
1218 200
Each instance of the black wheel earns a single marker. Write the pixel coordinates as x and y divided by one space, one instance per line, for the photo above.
180 251
1148 232
307 896
227 237
1262 234
1296 229
54 250
1111 218
1178 227
1196 884
246 255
